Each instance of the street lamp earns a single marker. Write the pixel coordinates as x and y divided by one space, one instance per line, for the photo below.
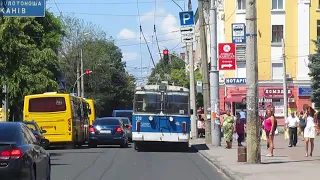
87 72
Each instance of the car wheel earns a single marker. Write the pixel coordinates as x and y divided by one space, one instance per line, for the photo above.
33 173
123 144
92 145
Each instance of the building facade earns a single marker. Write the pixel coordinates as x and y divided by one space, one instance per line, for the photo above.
298 23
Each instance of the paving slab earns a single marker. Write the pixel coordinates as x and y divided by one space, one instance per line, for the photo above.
287 163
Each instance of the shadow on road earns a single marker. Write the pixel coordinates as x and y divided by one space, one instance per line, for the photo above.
284 162
200 147
167 148
59 164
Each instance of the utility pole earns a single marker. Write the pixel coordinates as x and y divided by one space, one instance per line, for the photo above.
194 130
214 78
78 77
82 78
285 89
205 74
253 125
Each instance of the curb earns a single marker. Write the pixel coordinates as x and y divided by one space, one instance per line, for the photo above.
226 171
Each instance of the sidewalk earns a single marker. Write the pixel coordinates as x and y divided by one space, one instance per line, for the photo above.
287 163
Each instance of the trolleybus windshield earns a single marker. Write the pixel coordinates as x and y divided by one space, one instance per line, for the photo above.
174 103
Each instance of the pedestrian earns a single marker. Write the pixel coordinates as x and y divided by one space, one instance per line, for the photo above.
292 123
228 127
269 127
310 129
200 124
239 129
302 124
243 116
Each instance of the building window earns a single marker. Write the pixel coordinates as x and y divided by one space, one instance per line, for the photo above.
277 33
318 29
277 71
241 70
241 4
277 4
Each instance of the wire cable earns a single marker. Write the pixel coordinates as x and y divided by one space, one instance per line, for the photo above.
154 28
154 64
140 40
177 4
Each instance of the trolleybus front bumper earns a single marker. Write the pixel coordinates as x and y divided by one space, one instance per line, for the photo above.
160 137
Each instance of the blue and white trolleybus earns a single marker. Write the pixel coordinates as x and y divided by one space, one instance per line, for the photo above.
161 114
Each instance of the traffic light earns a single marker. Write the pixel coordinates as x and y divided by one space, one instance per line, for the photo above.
87 71
166 56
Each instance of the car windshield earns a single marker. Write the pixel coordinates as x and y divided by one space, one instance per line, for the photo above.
8 134
148 102
105 122
125 121
177 103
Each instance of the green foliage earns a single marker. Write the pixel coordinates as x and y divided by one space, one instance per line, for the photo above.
28 58
314 67
177 73
109 84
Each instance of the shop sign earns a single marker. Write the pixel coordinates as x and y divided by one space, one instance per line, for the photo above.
276 93
305 91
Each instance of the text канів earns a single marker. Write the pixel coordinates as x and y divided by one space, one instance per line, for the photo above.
11 7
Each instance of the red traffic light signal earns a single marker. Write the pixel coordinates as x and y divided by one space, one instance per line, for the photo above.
165 52
87 71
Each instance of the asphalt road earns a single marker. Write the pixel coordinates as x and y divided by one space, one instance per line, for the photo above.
114 163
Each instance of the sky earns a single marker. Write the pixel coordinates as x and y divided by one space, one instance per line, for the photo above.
120 19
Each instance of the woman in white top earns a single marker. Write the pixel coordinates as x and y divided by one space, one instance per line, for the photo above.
310 129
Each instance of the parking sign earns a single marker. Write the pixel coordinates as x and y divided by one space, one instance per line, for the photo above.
238 33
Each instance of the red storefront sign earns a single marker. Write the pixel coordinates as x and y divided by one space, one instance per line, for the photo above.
227 56
276 93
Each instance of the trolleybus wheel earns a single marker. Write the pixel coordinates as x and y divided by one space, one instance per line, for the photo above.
135 146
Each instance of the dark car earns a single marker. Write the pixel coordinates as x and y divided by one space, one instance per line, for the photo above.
128 127
37 132
108 131
21 155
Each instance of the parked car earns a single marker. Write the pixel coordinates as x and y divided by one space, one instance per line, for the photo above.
37 132
108 131
128 127
21 155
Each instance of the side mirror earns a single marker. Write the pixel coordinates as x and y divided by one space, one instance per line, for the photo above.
43 131
191 111
44 143
127 125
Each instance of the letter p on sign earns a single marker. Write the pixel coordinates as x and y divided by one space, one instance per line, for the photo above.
186 17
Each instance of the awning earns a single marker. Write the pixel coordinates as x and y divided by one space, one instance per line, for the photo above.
234 99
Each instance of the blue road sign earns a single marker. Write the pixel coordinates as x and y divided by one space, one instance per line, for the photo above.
186 18
238 33
235 81
305 91
22 8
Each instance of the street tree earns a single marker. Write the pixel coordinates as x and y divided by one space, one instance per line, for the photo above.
314 73
28 57
178 75
109 84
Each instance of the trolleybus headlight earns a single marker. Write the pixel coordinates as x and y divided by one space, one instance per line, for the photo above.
150 118
171 119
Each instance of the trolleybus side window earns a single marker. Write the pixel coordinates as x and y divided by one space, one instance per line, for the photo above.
47 104
150 103
177 104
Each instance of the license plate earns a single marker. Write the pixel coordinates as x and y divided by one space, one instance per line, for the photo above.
105 131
